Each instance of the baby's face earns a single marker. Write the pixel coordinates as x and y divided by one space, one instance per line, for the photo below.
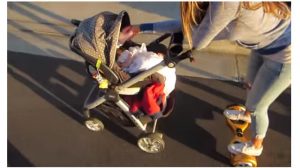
119 52
124 59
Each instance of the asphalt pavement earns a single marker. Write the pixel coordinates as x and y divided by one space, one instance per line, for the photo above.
45 97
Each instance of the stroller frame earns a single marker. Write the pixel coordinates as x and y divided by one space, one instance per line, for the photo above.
174 55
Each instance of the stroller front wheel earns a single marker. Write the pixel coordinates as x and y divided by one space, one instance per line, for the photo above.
94 124
151 143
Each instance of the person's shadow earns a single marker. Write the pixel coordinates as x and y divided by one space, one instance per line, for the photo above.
181 125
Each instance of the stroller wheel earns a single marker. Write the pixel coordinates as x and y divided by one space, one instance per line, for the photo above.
94 124
151 143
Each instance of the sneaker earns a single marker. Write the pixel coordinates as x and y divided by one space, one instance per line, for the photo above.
237 115
245 148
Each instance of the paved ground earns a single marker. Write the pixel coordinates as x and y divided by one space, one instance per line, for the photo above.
45 95
47 85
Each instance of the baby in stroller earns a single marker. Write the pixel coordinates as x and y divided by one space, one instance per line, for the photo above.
128 92
153 101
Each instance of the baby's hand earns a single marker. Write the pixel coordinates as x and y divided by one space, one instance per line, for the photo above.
160 55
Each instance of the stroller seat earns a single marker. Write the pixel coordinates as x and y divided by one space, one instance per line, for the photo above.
114 79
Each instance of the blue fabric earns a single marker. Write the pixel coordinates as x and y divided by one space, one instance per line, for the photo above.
146 27
169 26
279 44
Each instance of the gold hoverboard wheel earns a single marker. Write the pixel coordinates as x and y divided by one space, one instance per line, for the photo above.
239 129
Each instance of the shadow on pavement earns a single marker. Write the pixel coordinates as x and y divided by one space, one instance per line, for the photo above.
181 126
43 70
15 158
279 112
30 9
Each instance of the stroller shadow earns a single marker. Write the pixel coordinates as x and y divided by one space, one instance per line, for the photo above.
51 83
52 74
15 158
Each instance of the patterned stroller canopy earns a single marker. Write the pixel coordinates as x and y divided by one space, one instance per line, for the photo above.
97 36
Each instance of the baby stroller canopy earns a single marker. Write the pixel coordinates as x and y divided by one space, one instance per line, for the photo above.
97 36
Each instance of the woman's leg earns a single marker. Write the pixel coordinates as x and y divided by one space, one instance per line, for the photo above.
255 62
271 80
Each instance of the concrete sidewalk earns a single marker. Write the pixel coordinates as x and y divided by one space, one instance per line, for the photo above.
43 28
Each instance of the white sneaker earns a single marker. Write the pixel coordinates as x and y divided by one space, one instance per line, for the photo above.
237 115
244 147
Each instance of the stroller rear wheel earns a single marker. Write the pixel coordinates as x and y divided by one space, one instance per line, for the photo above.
151 143
94 124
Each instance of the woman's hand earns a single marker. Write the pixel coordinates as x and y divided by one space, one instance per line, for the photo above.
128 33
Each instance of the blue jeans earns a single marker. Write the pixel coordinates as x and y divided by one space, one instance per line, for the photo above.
268 79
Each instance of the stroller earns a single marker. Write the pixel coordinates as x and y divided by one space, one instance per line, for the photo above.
95 39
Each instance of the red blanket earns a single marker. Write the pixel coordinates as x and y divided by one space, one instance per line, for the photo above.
152 101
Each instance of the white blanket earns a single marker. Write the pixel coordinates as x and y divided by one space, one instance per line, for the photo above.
137 59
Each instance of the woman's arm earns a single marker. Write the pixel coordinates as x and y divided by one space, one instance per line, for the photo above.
169 26
217 17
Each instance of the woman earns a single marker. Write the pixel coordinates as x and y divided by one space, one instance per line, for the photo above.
263 27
